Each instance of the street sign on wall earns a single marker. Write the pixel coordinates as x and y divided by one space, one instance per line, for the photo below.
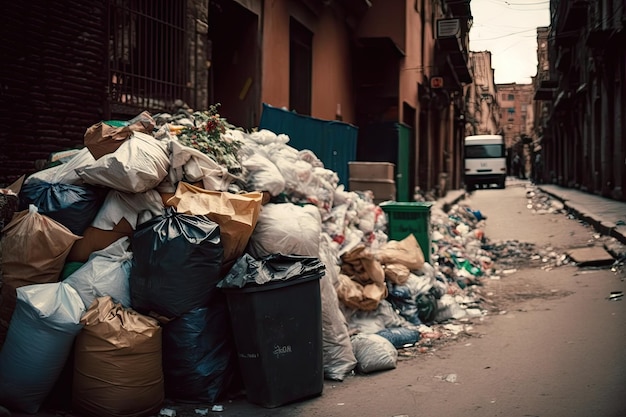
436 82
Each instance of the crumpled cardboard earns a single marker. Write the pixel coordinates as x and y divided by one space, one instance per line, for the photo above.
405 252
105 137
360 297
360 265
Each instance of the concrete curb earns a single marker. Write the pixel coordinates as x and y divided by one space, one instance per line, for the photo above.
451 198
604 227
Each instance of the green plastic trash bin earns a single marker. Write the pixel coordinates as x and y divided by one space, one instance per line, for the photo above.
404 218
277 329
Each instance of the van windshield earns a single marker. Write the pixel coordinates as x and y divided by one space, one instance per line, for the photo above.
484 151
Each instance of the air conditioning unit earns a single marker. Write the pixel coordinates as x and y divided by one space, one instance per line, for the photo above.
448 28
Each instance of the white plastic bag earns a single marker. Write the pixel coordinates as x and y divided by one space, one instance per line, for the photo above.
373 353
138 165
191 165
263 175
106 272
135 208
339 359
64 173
288 229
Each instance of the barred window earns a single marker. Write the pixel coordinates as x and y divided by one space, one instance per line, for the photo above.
148 61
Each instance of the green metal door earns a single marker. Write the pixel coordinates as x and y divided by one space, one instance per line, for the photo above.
402 165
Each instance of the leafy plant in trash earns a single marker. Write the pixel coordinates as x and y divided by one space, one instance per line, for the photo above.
207 136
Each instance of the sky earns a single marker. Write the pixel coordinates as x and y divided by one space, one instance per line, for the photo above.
508 29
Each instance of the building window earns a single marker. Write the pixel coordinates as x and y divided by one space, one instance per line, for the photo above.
300 67
511 97
511 112
148 59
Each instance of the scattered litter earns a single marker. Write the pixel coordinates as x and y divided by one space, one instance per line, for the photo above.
454 328
167 412
450 378
615 295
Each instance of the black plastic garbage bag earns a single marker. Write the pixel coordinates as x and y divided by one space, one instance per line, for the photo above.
199 356
275 267
74 206
176 264
427 307
402 300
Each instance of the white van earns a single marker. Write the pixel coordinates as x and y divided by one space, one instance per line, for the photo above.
485 161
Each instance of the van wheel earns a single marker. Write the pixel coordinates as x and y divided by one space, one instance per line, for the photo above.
502 183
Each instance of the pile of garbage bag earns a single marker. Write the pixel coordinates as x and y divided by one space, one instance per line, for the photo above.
115 254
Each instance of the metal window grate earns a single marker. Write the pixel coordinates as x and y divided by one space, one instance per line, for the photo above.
148 58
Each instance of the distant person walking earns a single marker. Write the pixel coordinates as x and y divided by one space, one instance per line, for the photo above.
538 164
516 165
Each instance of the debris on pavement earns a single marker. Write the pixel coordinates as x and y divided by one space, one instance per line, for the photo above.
615 295
167 412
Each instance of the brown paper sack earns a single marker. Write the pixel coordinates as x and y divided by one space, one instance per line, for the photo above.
34 249
360 264
397 273
360 297
406 252
102 139
236 214
117 362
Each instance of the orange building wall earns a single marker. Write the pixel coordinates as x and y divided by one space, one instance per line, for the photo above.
332 69
275 54
385 19
411 67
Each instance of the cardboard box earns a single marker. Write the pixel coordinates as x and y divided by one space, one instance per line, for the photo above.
383 190
372 170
